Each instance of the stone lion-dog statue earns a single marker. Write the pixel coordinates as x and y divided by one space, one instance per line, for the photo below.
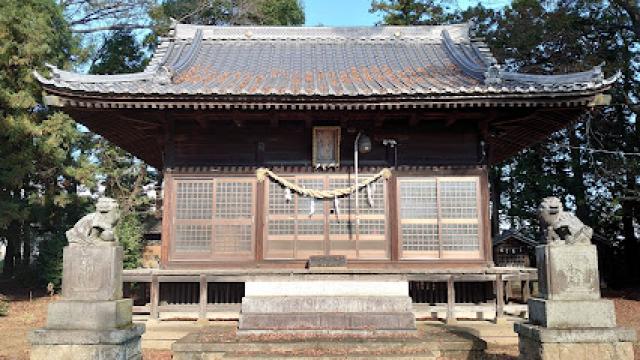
97 228
561 227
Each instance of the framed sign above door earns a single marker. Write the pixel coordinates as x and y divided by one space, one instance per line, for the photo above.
326 146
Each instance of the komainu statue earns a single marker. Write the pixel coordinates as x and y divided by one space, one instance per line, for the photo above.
97 228
560 227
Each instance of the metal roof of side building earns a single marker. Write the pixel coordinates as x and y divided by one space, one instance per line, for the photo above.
412 65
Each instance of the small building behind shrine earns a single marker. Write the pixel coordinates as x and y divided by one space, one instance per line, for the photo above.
256 131
514 249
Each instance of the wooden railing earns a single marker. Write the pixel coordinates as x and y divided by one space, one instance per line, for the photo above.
205 297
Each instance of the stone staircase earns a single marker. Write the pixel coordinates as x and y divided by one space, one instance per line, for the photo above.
431 342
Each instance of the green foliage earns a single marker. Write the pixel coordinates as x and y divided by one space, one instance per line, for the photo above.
49 261
409 12
120 54
36 146
280 12
226 12
129 232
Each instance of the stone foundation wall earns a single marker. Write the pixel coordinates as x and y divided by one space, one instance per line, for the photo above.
531 349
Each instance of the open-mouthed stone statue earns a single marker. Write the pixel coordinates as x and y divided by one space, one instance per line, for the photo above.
97 228
562 227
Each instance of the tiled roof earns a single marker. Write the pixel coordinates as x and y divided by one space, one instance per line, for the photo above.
322 62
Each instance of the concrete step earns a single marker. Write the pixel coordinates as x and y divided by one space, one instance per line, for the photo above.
312 321
340 304
429 343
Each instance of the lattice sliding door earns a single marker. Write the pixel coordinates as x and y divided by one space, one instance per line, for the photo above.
214 219
439 217
303 227
459 217
419 218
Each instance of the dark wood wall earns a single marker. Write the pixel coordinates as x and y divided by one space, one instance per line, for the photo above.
246 140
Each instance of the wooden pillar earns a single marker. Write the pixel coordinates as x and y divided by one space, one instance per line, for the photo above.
202 314
392 190
260 219
155 297
451 301
499 298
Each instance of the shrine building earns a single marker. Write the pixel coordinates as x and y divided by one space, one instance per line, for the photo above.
257 130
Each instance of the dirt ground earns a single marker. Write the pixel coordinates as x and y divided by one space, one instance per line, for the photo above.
27 313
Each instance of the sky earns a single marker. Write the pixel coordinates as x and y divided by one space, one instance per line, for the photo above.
356 12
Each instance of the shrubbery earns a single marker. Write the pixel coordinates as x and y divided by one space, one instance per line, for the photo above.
49 261
129 232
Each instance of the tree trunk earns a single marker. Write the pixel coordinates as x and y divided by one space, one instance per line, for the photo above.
26 241
12 252
630 241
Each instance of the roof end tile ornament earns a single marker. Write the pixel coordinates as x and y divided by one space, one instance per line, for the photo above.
493 76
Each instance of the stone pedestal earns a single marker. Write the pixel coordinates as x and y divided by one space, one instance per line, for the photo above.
570 320
92 321
327 307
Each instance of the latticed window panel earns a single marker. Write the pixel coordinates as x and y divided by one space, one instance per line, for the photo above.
420 237
458 199
194 200
277 202
306 204
321 231
460 237
375 194
214 218
232 238
234 200
346 204
341 227
372 226
193 238
439 216
311 227
418 199
282 227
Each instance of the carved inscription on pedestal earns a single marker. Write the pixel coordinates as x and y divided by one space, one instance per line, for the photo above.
92 273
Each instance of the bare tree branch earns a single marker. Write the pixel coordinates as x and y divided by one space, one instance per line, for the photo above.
114 27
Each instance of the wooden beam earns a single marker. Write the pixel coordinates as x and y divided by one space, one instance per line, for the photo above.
413 120
200 120
378 121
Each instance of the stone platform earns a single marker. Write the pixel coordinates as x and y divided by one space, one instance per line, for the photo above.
430 342
540 343
326 307
57 344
